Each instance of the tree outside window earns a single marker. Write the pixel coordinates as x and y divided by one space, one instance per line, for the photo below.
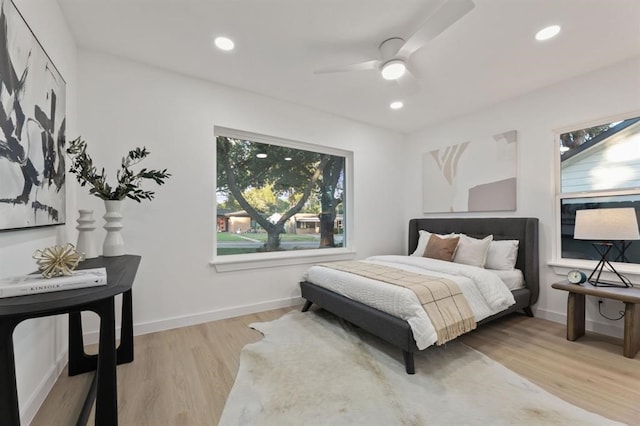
276 197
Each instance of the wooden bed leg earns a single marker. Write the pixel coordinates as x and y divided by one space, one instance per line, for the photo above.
408 362
528 311
307 305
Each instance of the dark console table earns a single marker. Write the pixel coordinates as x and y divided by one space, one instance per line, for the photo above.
121 271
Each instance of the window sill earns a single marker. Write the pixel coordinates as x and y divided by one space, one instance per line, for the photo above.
563 266
241 262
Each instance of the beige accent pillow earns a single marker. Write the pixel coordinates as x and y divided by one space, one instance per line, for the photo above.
441 248
472 251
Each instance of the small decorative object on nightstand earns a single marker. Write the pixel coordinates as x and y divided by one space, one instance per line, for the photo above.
576 277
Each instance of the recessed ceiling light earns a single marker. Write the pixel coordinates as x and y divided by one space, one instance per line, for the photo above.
396 105
393 69
288 158
548 32
261 155
224 43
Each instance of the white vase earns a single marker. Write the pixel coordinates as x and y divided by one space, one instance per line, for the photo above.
86 243
113 242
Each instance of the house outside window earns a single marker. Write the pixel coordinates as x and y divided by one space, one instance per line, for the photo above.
275 196
599 168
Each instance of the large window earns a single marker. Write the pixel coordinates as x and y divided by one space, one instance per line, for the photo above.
599 168
275 195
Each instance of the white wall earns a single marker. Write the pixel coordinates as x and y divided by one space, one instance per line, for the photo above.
39 343
123 104
601 94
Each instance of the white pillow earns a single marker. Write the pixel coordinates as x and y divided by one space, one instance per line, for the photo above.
502 255
472 251
423 240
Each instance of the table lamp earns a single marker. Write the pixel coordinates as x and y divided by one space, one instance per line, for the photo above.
606 226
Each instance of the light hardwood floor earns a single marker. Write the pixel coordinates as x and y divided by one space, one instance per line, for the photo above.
183 376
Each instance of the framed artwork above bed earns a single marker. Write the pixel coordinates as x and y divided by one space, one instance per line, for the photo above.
472 176
32 128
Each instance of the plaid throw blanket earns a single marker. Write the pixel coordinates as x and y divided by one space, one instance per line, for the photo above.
441 298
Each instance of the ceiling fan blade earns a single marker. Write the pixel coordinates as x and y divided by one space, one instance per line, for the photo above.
362 66
440 20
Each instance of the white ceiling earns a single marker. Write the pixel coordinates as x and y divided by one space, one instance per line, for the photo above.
488 56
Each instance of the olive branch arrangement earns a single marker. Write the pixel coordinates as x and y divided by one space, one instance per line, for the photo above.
128 181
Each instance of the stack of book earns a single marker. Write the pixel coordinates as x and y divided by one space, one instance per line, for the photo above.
33 284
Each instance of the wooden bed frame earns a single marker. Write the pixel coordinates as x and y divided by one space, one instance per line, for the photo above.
397 331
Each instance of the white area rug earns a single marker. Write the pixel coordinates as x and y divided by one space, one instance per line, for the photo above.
311 369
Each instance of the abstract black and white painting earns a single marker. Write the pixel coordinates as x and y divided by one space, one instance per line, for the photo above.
32 128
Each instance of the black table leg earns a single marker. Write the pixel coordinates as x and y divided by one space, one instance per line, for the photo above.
125 350
88 403
107 392
79 361
9 410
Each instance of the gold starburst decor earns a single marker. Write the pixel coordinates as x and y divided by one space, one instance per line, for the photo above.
57 260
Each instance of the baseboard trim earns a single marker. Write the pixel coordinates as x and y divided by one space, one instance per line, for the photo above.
590 325
199 318
30 408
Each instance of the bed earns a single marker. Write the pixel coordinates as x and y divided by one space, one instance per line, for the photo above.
398 331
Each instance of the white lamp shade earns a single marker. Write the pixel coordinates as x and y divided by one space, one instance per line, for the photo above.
607 224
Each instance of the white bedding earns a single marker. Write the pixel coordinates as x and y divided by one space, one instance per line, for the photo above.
484 290
513 279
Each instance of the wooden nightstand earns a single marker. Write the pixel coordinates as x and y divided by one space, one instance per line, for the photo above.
575 311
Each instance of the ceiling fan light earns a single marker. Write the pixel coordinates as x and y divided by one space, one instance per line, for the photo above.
393 69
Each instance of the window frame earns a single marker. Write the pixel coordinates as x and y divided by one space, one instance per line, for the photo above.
236 262
562 265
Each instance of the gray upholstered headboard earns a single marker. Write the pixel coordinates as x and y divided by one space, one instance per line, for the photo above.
523 229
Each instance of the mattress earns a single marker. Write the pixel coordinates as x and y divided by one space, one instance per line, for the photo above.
513 279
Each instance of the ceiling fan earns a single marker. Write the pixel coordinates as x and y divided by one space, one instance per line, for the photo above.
395 51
